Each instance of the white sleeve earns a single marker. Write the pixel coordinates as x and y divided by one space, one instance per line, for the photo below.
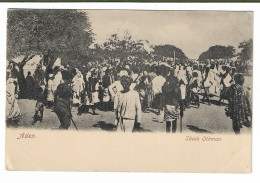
110 88
138 107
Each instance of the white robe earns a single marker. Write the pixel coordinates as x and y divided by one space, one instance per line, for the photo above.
157 84
77 86
13 110
215 80
50 90
115 89
182 76
57 80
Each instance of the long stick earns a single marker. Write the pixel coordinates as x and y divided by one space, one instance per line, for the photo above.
74 124
181 124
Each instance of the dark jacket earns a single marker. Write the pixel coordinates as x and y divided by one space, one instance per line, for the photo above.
171 94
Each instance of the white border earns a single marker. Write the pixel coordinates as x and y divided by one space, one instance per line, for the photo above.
132 177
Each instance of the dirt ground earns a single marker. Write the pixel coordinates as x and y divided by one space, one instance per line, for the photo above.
205 119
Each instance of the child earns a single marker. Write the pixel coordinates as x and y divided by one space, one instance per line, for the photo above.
39 106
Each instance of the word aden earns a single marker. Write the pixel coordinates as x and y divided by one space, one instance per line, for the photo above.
26 136
204 138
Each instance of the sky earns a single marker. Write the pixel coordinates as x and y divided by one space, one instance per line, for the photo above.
192 31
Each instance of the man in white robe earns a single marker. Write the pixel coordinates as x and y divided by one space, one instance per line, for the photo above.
12 108
57 80
181 75
77 86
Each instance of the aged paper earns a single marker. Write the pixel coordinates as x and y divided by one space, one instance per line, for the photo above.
72 151
129 91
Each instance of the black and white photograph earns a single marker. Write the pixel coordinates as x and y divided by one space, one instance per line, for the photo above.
130 71
128 90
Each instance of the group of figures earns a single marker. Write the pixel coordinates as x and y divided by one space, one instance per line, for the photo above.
129 89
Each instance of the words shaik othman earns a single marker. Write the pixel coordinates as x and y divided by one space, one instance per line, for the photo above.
204 138
26 136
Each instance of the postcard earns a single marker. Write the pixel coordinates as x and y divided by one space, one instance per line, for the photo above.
129 90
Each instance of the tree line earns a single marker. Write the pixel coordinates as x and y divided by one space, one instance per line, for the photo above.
68 34
227 52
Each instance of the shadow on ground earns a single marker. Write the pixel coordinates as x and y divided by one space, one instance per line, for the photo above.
197 130
155 111
12 123
112 128
215 102
138 128
105 126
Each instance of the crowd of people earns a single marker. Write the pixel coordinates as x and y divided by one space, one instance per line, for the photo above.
129 88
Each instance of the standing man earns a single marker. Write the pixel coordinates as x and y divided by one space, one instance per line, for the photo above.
62 101
128 110
106 82
30 85
114 89
50 91
77 86
57 78
157 84
239 109
12 107
171 103
182 77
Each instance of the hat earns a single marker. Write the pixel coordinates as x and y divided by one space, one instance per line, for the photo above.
104 69
123 73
